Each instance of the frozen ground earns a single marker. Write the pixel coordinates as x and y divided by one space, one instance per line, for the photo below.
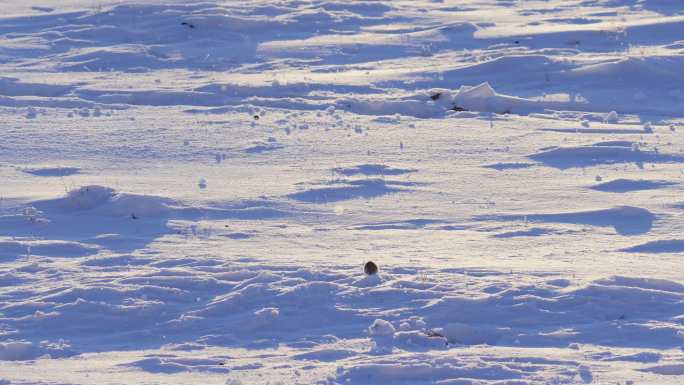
189 191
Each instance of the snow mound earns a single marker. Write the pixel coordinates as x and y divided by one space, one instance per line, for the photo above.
659 70
107 201
24 350
381 327
170 364
49 248
437 102
88 197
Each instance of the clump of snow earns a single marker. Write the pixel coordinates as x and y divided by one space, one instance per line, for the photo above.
264 317
612 117
88 197
380 327
481 98
369 281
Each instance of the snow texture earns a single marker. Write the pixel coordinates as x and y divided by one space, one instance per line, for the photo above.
190 189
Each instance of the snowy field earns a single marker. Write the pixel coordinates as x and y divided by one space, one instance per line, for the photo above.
189 191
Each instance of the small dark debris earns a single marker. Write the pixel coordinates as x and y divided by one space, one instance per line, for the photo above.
222 363
621 317
436 96
256 117
370 268
133 216
185 23
457 108
517 42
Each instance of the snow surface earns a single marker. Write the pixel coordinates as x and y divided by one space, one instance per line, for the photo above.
190 190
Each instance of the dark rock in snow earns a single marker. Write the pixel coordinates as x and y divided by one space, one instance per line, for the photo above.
370 268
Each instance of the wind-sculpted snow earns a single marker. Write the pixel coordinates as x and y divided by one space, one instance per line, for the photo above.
95 216
333 41
372 169
53 171
567 157
189 192
626 185
184 305
626 220
140 37
354 189
659 246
